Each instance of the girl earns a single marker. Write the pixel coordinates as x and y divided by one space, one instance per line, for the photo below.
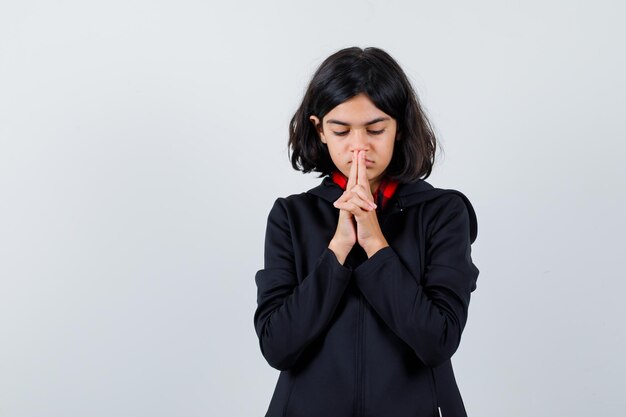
367 278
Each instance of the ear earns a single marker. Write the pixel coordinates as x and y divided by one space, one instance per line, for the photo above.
318 127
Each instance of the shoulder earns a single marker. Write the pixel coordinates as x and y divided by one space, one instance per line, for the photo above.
285 205
292 201
450 209
446 201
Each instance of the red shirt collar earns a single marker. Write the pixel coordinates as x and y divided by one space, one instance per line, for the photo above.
382 194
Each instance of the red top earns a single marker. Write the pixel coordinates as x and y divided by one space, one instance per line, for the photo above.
382 194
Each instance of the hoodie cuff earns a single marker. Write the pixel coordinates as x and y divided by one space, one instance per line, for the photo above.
374 262
342 271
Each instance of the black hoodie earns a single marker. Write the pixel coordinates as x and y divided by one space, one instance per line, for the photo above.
372 337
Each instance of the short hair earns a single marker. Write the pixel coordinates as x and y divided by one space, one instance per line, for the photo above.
372 71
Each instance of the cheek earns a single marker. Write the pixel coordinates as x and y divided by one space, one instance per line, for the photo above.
339 154
391 143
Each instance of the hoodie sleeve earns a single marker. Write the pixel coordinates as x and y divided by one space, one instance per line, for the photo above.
289 314
429 314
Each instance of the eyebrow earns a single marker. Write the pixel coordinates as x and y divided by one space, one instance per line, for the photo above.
371 122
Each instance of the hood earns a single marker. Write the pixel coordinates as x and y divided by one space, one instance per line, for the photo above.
406 195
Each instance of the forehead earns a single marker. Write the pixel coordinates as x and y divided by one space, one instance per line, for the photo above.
357 110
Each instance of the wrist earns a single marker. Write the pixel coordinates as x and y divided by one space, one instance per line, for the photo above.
375 246
340 251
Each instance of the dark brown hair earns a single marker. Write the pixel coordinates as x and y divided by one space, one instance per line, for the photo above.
374 72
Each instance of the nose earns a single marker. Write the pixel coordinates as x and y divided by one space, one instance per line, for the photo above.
360 141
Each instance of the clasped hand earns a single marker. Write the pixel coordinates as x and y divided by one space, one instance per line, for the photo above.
356 204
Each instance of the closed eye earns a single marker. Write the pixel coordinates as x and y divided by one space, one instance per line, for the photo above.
343 133
376 132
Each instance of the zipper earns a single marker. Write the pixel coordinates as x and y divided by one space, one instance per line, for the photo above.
433 385
363 335
360 344
359 359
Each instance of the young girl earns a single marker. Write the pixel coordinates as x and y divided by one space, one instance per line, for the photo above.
367 278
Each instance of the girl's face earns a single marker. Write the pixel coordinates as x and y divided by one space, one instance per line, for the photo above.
357 124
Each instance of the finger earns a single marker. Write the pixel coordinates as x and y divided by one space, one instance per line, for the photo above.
362 192
355 201
346 195
362 171
353 171
351 208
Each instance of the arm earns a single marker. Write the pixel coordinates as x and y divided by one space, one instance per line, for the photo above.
429 317
289 315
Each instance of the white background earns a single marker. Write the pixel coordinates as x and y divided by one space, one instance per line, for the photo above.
142 144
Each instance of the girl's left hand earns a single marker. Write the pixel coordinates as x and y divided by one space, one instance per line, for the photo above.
369 235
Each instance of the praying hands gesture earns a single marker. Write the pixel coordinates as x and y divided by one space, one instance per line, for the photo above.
356 204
